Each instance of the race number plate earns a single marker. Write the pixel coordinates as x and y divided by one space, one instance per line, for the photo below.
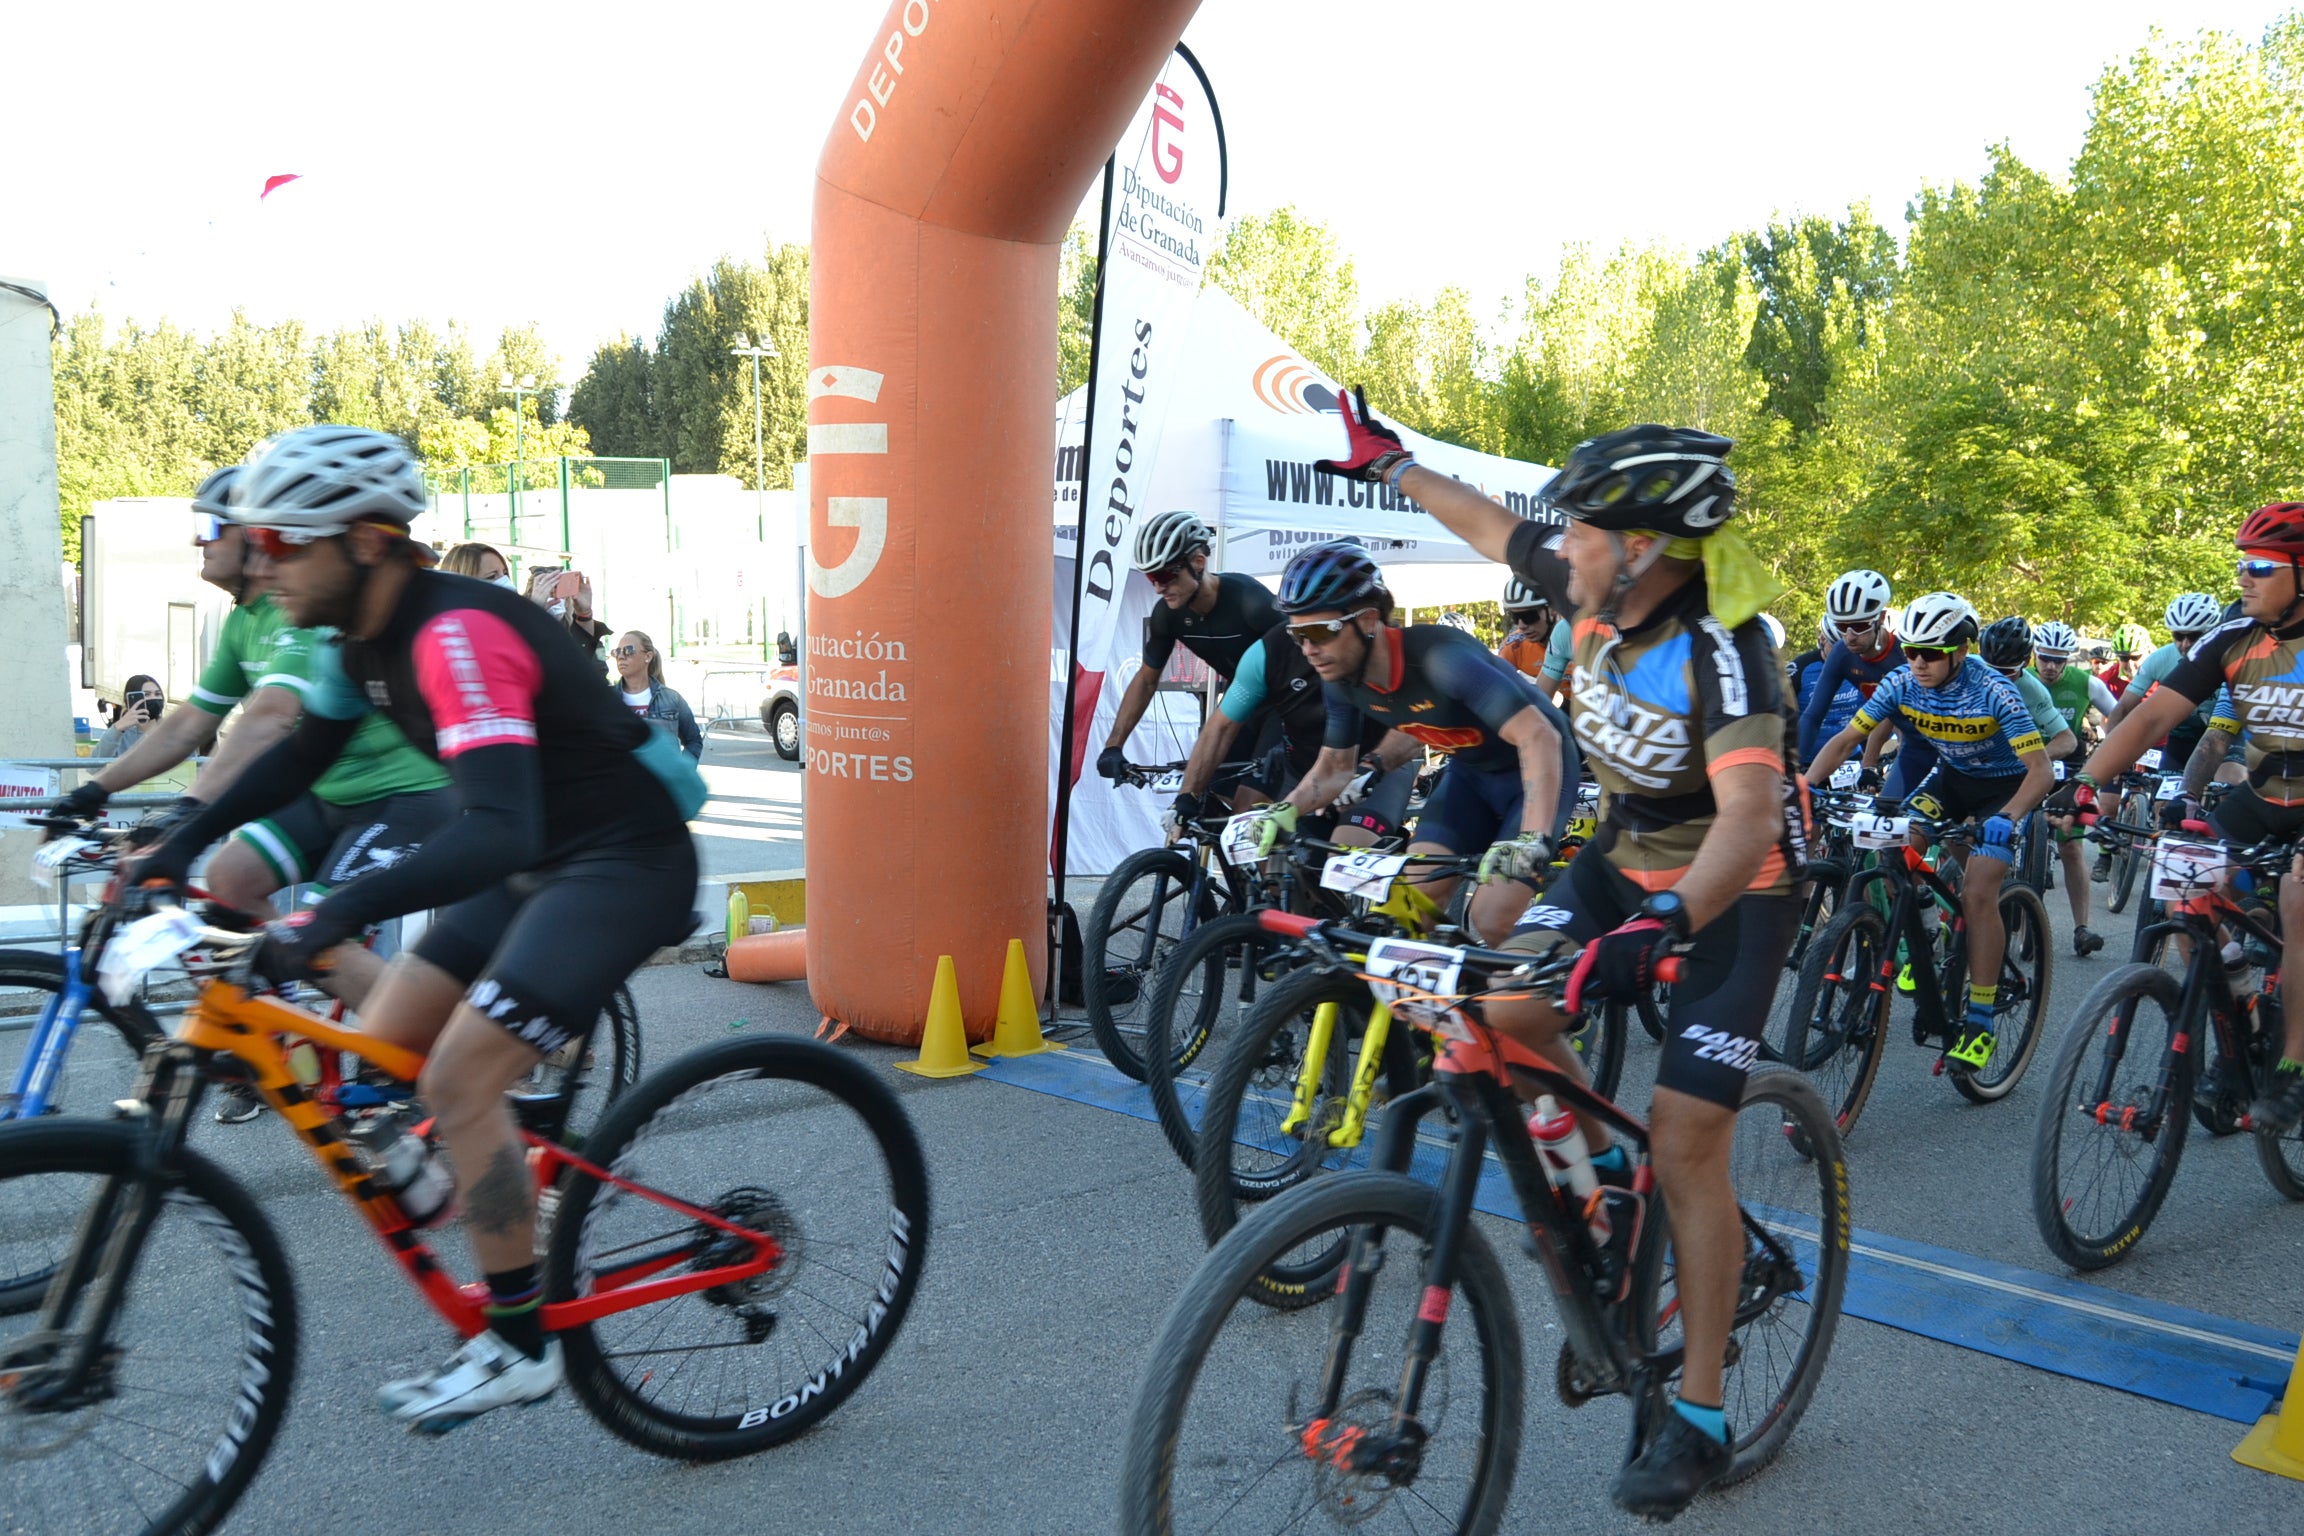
1239 844
2169 789
1412 977
1879 831
1363 873
2150 761
1169 783
1846 775
53 856
2182 870
142 948
2058 768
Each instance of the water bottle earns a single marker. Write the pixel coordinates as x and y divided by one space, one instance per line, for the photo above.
419 1184
1568 1164
739 913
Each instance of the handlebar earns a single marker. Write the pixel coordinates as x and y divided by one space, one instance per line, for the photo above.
1295 925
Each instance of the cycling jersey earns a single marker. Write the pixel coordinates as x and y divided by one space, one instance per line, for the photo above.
2115 680
1524 653
1559 650
1977 721
2152 673
259 648
2076 691
2047 719
1239 617
1807 667
1843 664
1275 677
1445 689
2263 670
546 762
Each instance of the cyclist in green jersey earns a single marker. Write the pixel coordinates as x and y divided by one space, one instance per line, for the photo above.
2077 693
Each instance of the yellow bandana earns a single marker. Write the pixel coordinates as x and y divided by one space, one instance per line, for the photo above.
1737 582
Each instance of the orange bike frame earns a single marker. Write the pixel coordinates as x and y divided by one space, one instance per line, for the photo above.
249 1028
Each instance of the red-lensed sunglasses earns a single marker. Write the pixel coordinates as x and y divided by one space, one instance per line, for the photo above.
288 543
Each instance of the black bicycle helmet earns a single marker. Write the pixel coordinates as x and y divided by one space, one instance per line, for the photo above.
1670 480
2005 643
1337 574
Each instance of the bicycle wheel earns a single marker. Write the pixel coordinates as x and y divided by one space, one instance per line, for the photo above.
832 1171
1827 879
106 1046
1253 1144
2026 969
590 1074
1199 1004
1599 1044
1654 1008
2130 855
2101 1162
1836 1030
196 1365
1216 1440
1792 1185
1139 917
2282 1157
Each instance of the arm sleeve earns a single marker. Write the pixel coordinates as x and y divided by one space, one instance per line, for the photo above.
1828 679
1741 689
1533 552
1244 695
2223 716
2100 697
278 776
2046 717
1159 645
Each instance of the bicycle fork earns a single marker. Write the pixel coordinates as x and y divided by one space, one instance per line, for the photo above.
1318 1041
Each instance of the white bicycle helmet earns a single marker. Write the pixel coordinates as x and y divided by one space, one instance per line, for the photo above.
1939 619
2054 641
1857 597
1775 628
315 482
1520 598
1168 538
2193 613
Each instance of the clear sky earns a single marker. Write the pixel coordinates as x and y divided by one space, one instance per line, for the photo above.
574 165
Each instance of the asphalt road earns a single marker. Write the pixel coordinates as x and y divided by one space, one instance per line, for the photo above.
1062 1232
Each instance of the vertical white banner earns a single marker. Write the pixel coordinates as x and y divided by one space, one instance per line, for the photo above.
1163 220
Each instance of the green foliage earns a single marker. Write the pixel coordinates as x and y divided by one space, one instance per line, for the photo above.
615 402
1075 308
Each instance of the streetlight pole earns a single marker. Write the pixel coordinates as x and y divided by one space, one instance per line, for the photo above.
766 348
516 388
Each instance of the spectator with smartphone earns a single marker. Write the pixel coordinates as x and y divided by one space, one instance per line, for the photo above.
567 596
141 703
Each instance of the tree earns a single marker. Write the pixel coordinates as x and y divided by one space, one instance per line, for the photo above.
1075 309
703 393
615 401
1285 270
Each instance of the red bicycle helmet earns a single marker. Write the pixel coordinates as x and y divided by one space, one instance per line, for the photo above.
2277 528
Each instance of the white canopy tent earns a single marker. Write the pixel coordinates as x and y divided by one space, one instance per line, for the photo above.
1250 418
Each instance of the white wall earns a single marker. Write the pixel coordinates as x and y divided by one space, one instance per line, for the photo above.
35 700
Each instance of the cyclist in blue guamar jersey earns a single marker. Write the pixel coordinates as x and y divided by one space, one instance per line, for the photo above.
1990 764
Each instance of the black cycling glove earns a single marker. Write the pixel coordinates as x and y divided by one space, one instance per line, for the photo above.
1112 762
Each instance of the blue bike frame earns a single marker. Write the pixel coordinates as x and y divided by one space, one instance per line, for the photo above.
43 1059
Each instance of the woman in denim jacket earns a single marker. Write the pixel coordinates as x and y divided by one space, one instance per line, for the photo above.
640 674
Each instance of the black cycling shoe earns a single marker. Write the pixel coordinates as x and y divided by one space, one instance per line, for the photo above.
2279 1106
1679 1462
2086 941
2102 873
237 1104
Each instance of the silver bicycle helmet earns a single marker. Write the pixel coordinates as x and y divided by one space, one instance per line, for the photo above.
2193 613
1857 597
2054 641
1939 619
1168 538
319 481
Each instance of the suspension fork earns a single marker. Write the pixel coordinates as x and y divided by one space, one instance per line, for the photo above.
1312 1069
1372 1042
44 1053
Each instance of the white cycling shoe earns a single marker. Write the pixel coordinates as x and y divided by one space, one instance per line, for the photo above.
484 1373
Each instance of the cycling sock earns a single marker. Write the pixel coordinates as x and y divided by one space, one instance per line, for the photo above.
1711 1421
1616 1161
2291 1065
515 1309
1980 1004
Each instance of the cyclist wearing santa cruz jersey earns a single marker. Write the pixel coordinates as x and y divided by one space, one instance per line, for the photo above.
1676 695
567 864
2258 658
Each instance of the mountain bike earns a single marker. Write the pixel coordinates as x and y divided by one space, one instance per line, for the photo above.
2139 794
2132 1071
1289 1099
1836 1029
1148 904
142 1387
1399 1403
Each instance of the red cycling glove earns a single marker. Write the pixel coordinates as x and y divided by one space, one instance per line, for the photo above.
1621 963
1373 450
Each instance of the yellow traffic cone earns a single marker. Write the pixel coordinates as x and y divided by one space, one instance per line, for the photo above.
1018 1031
944 1041
2276 1444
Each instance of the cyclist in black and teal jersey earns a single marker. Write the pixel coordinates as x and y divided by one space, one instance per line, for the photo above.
2006 646
1509 786
2189 617
1990 764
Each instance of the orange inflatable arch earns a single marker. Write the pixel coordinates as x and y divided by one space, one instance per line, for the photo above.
944 192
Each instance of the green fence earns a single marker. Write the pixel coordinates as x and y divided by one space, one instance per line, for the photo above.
525 503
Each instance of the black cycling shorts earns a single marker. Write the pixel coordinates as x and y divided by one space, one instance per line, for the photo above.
541 953
2241 815
1948 795
1727 981
309 841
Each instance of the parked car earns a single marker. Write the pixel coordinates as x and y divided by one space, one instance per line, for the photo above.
780 711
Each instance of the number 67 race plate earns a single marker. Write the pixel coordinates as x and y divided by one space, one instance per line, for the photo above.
1363 874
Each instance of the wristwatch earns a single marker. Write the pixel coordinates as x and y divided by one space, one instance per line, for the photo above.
1667 908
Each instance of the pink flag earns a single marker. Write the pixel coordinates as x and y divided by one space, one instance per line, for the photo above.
275 183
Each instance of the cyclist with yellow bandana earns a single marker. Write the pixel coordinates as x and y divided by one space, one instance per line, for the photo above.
1990 763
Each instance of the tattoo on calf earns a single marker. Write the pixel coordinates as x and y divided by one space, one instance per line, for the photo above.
498 1200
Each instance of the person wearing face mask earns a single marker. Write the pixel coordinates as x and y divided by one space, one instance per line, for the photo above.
141 702
481 562
567 596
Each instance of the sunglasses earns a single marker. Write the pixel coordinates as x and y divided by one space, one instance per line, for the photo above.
1169 574
623 651
1857 626
288 543
1929 653
1322 631
2257 570
207 527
